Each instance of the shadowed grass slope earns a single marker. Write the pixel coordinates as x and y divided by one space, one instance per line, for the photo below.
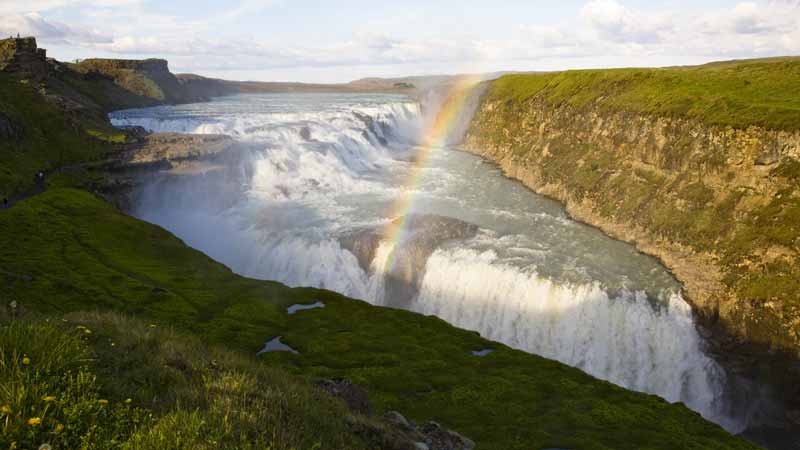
45 137
67 251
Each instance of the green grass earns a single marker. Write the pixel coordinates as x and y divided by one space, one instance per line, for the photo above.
738 94
67 251
105 381
49 138
50 395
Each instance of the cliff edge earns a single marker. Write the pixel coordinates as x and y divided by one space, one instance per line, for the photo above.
699 166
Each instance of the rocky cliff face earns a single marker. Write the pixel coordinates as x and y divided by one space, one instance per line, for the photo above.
21 57
719 206
149 78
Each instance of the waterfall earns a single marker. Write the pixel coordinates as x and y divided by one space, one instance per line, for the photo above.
306 205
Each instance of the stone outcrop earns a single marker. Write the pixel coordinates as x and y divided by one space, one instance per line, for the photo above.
149 78
171 150
170 154
423 234
22 58
392 431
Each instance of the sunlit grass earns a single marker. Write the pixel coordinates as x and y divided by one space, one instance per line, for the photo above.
737 94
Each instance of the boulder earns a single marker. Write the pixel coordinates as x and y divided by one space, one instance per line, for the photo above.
439 438
354 396
396 419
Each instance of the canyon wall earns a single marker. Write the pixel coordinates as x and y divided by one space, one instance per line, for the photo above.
717 202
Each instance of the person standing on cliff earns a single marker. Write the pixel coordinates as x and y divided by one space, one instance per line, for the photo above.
39 179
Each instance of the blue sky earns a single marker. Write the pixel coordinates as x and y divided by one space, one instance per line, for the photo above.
344 40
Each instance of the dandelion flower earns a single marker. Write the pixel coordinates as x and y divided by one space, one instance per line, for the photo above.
35 421
25 360
103 401
49 398
59 428
5 409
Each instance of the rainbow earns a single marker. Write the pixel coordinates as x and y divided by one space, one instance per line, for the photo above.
432 138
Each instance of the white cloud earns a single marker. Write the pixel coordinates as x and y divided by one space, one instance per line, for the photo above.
33 24
613 21
27 6
603 30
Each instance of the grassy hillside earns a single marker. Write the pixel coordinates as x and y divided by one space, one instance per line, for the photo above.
737 93
45 137
106 381
67 251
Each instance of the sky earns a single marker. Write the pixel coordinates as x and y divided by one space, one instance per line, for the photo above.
338 41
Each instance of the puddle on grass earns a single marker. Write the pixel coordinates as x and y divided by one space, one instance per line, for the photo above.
300 307
275 345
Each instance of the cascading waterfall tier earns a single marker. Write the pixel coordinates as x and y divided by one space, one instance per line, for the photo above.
309 203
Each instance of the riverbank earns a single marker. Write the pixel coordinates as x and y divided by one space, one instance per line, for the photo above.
710 193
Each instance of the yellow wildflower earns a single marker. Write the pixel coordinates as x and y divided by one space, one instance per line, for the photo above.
25 360
5 409
87 331
103 401
59 428
34 421
49 398
128 400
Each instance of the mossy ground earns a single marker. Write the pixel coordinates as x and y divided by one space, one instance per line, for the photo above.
739 93
66 251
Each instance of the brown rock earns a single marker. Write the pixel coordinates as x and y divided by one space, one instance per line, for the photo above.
354 396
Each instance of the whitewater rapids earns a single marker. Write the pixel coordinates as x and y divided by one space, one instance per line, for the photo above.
305 207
